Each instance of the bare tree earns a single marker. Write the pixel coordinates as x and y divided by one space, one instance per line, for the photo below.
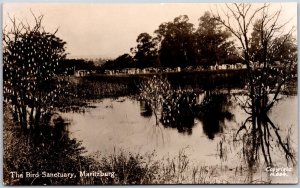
266 79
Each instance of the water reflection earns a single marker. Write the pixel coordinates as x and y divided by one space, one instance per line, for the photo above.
213 111
266 140
113 124
182 108
179 108
178 111
145 109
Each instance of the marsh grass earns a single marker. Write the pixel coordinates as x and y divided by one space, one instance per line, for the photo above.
81 91
129 168
98 89
176 169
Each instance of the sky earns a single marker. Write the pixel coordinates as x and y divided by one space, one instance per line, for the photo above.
109 30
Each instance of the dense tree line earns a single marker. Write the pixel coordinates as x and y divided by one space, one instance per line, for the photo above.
179 43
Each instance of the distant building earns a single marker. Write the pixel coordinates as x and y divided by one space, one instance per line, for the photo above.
81 73
129 71
239 65
110 72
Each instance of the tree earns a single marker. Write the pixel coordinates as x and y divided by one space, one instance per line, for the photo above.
265 81
145 53
212 41
279 48
68 66
176 42
153 92
30 59
121 62
124 61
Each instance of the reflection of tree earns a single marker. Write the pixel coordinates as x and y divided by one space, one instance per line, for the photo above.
146 109
266 77
178 111
267 137
213 111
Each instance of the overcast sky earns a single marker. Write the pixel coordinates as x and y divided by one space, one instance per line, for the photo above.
110 30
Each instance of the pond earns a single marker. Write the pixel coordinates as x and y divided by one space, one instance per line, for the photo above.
124 123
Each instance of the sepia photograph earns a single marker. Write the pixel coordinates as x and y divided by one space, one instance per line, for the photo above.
150 93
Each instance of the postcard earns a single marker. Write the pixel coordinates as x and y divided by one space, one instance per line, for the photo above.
150 94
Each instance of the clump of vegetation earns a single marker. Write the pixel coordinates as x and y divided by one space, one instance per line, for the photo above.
49 149
171 107
154 91
129 168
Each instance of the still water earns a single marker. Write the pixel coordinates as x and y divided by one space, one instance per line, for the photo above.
122 124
